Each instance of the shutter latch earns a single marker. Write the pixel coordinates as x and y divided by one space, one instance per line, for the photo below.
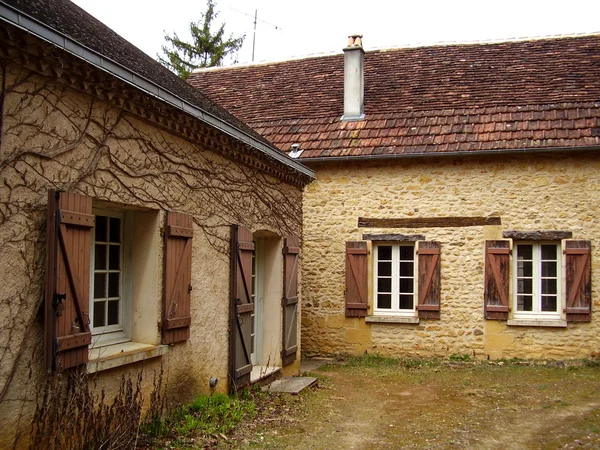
190 288
57 303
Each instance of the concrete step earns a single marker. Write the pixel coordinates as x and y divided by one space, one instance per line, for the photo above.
290 385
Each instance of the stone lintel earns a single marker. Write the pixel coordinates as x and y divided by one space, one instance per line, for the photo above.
393 237
551 235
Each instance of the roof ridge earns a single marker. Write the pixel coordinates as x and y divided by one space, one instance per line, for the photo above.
402 46
267 62
490 41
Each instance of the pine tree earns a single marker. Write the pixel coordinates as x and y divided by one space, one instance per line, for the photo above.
206 50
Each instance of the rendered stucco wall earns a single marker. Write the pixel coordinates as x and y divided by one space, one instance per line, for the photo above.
549 192
56 137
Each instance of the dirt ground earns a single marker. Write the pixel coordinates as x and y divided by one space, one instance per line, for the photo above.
374 403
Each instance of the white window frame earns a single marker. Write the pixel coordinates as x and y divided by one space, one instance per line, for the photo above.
118 333
395 276
258 281
537 313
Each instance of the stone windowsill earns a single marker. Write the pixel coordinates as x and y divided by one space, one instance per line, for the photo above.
391 319
537 323
111 356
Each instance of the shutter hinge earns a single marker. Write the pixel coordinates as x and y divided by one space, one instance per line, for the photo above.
190 288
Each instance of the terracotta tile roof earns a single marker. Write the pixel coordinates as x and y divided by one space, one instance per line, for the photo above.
70 20
479 97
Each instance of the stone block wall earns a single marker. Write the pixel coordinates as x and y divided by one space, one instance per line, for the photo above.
544 192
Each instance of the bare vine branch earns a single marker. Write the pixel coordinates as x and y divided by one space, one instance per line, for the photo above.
53 136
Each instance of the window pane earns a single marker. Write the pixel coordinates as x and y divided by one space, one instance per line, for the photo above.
549 269
384 301
407 253
101 228
406 269
525 252
114 257
99 285
113 284
549 286
524 303
524 269
115 229
113 312
100 257
406 285
406 301
99 317
549 252
524 286
384 285
384 252
384 268
549 303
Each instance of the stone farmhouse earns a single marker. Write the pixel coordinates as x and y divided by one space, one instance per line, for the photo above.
143 229
455 207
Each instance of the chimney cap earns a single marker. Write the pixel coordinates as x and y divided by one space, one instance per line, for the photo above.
354 41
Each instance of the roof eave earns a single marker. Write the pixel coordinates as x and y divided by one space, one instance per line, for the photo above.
44 32
449 154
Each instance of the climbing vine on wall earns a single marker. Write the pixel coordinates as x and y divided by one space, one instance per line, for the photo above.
55 135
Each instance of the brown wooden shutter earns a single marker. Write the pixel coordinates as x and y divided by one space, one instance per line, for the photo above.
291 253
428 305
67 325
242 306
356 279
179 230
497 272
578 281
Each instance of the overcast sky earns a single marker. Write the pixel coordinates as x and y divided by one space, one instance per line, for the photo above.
287 29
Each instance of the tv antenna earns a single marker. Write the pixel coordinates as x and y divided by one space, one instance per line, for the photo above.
256 20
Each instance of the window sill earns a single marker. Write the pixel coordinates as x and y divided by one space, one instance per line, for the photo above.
111 356
391 319
537 323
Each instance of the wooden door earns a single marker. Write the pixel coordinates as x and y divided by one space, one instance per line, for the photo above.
241 307
291 253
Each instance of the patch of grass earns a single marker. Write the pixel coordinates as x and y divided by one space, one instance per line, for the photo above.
591 427
590 362
370 360
217 414
464 357
375 360
414 363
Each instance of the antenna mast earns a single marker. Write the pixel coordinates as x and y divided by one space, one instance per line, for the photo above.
254 36
255 23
